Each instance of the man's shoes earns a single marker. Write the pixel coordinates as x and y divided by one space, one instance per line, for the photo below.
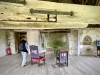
24 65
26 62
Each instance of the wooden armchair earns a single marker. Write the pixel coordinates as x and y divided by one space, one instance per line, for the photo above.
62 56
35 56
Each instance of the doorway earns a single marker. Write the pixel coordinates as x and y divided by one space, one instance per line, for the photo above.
18 37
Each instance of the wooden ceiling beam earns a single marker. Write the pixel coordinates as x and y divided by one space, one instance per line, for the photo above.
55 31
41 25
15 1
52 30
93 26
98 2
86 2
83 2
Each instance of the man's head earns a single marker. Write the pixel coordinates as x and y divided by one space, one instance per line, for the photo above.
24 38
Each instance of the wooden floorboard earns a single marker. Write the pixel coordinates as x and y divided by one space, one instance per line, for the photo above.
89 62
78 65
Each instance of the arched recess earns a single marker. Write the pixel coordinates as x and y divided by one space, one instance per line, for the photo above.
87 40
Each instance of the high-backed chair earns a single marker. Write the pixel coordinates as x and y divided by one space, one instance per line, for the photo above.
35 56
62 56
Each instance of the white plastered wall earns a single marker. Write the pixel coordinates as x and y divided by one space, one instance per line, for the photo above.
11 40
33 38
3 43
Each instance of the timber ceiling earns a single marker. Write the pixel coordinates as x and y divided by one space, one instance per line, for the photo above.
87 2
83 2
93 26
35 20
15 1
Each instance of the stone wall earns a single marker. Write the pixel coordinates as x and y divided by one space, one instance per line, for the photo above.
11 40
3 45
88 39
73 42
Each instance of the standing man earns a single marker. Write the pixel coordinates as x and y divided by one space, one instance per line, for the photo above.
24 50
